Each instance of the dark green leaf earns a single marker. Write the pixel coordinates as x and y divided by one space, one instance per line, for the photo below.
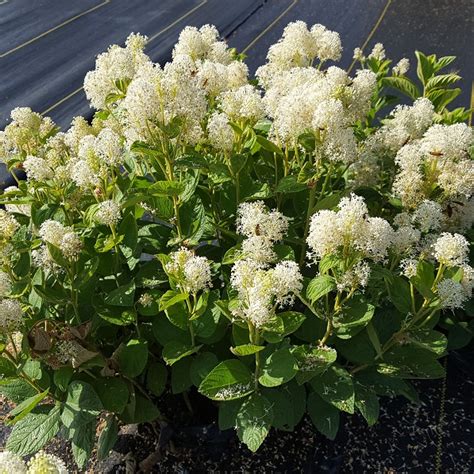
323 415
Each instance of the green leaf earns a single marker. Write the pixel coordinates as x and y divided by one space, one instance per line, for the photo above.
113 393
246 349
139 410
320 286
353 318
228 413
7 369
171 298
229 380
367 403
166 188
122 296
180 375
82 443
403 84
107 438
31 433
313 361
442 81
411 362
424 278
444 62
82 405
254 421
16 389
289 185
288 403
424 69
324 416
429 339
374 339
132 357
175 350
156 378
25 407
268 145
335 387
201 365
399 293
279 367
289 322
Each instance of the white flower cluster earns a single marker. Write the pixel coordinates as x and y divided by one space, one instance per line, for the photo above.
44 463
402 67
219 132
11 315
108 213
8 226
25 134
66 240
451 249
437 161
11 463
349 229
5 284
118 63
192 273
262 229
299 47
259 287
261 290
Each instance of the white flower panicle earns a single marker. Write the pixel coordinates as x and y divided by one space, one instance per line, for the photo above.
451 293
428 216
378 52
117 63
439 160
8 226
404 239
65 239
219 132
108 213
11 463
262 229
355 277
44 463
108 147
37 169
11 315
5 284
409 267
402 67
349 227
467 280
451 249
287 282
242 104
192 273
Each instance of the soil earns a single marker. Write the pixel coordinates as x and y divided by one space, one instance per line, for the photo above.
433 436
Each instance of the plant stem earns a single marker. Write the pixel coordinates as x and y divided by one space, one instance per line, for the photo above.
327 333
309 213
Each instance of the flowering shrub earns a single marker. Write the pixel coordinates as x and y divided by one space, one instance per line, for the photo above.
281 248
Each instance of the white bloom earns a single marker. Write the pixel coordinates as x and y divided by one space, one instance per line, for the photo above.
43 463
109 148
402 67
220 133
451 249
259 249
253 218
83 175
378 52
405 238
377 239
37 169
52 232
428 216
192 273
243 104
146 300
467 280
287 281
71 246
358 54
324 234
452 141
451 294
42 259
8 225
327 43
409 267
108 213
11 315
5 284
11 463
356 277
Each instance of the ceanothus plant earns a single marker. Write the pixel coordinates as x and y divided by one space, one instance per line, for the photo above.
296 246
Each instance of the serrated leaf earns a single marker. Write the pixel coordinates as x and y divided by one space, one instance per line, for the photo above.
175 350
320 286
229 380
171 298
279 367
323 415
246 349
31 433
254 421
335 387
